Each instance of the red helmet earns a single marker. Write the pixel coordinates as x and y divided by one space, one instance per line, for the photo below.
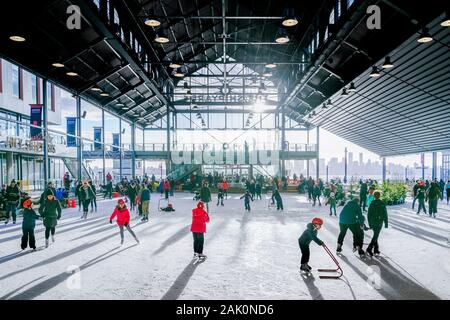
121 201
200 205
317 221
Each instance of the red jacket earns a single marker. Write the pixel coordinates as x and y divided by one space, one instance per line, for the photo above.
199 220
123 216
225 185
166 185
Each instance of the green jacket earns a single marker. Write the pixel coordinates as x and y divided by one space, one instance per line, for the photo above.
351 214
50 211
205 194
377 214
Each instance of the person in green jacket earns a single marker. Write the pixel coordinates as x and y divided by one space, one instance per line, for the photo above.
377 216
86 196
370 196
433 195
351 218
205 195
50 211
28 225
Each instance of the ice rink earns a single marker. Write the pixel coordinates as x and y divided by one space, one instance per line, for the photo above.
250 256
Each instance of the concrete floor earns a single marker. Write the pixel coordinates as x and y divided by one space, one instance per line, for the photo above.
250 256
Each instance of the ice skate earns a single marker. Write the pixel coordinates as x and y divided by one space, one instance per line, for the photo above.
46 243
53 238
369 251
202 256
339 248
309 267
377 253
304 267
6 221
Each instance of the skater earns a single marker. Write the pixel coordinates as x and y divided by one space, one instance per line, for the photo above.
247 197
94 198
370 196
316 193
205 195
86 195
447 190
351 218
310 234
225 187
78 188
145 203
258 190
377 215
123 219
28 225
420 196
278 200
198 228
252 188
166 187
131 194
310 187
50 211
415 189
12 200
363 195
433 195
220 196
332 202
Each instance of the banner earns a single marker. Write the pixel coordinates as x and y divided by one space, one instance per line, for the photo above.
97 138
71 129
36 120
116 137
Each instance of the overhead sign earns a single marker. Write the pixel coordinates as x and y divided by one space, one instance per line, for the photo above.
36 120
71 129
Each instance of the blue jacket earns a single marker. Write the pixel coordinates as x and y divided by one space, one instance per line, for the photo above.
145 195
29 219
310 234
351 214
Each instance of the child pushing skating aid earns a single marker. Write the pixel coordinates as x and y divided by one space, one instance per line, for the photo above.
310 234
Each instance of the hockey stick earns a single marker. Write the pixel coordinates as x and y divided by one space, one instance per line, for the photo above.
338 269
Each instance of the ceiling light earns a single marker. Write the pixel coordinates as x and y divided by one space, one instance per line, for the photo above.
174 65
375 73
344 92
289 21
352 87
267 74
104 94
282 36
96 89
425 36
161 38
270 65
387 63
58 65
17 38
446 21
152 21
195 107
72 74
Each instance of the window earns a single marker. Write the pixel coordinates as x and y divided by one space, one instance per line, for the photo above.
50 97
338 9
325 35
331 19
1 76
317 39
349 3
116 17
34 88
15 81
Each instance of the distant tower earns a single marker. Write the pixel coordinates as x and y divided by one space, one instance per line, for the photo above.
350 157
361 158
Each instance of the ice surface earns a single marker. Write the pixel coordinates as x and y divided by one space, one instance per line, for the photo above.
250 256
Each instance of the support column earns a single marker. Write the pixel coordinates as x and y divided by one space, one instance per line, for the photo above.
283 141
44 131
307 161
120 150
79 141
345 166
133 149
327 173
434 166
168 141
103 147
422 161
384 169
317 149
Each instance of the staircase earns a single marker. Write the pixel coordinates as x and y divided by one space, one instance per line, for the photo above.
180 171
72 166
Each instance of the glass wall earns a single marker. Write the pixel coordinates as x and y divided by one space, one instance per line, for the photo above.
126 135
93 119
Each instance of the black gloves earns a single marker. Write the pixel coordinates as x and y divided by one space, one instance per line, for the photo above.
110 221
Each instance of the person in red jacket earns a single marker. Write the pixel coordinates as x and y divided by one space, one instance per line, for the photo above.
198 228
123 219
225 187
166 188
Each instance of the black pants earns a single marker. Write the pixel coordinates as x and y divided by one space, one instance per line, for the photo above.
86 204
316 198
332 208
48 231
132 205
166 193
220 200
422 206
305 253
362 201
108 193
258 195
28 237
280 205
247 205
414 202
127 226
448 195
199 240
94 204
374 242
309 194
358 234
432 206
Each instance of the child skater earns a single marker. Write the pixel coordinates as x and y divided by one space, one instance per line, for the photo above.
310 234
123 219
247 197
198 228
28 225
220 196
277 196
332 202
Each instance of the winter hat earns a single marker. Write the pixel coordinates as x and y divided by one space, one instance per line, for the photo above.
120 201
27 203
317 221
49 192
200 205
